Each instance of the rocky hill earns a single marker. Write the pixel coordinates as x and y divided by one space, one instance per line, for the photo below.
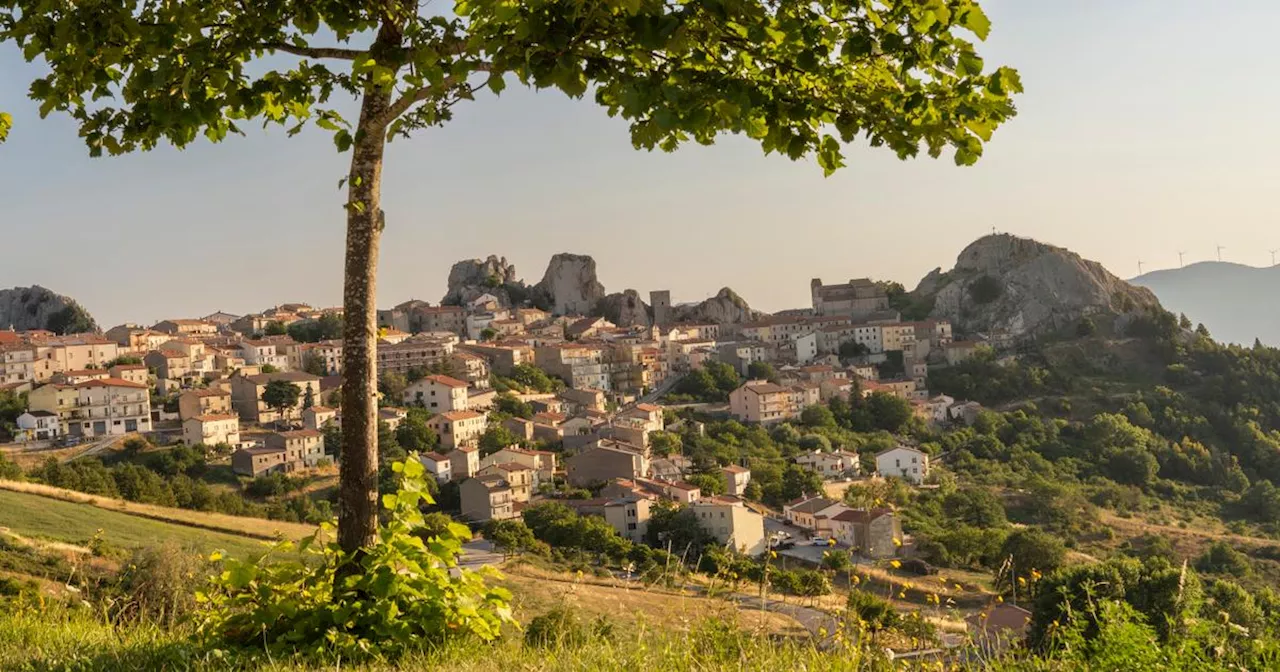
472 278
1021 287
726 307
571 285
1232 300
24 308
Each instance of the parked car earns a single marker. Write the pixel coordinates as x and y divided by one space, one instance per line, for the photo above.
786 545
820 541
69 440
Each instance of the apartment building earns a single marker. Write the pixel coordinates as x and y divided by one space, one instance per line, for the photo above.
208 401
438 394
246 394
103 407
211 430
458 429
581 365
763 402
420 352
486 498
732 524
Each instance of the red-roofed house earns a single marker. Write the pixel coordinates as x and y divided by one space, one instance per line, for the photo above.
211 430
438 394
458 428
438 465
736 479
109 406
517 476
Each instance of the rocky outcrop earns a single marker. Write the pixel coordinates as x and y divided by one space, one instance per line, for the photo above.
625 309
726 307
570 284
1003 284
25 308
471 278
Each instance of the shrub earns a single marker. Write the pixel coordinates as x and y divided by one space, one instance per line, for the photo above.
398 594
562 628
875 613
159 584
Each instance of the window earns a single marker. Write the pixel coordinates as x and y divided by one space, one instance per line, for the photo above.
631 526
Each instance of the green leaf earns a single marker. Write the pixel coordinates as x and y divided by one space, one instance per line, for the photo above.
413 469
976 21
497 84
390 501
342 140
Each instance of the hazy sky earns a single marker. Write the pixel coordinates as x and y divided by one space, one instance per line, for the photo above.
1148 127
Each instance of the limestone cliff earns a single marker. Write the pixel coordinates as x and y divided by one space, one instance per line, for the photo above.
471 278
570 284
726 307
25 308
625 309
1003 284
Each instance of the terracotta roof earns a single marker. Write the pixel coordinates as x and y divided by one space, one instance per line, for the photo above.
128 367
171 354
766 388
86 372
434 457
447 381
454 416
300 434
890 450
322 409
110 382
510 466
217 416
735 469
260 450
291 376
209 392
681 485
814 505
860 515
647 407
550 418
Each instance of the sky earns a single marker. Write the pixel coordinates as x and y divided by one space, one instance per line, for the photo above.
1147 128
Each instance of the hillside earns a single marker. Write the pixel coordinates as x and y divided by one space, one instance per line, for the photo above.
36 517
1231 300
1021 287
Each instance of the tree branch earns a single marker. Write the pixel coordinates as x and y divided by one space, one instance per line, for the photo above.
314 52
415 96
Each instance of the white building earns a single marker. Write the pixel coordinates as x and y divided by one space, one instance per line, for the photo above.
38 426
731 524
439 466
903 462
438 394
110 406
211 430
261 353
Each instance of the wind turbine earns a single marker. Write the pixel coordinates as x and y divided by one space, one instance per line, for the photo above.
1180 254
1273 257
1220 249
1139 267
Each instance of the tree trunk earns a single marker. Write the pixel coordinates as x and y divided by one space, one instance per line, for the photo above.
358 480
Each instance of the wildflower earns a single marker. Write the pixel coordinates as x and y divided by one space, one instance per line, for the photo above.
895 564
999 599
897 542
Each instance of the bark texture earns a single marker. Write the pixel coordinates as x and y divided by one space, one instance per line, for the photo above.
358 480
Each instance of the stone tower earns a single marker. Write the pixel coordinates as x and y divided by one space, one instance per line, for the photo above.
660 300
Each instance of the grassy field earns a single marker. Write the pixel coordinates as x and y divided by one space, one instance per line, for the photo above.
259 528
536 591
39 517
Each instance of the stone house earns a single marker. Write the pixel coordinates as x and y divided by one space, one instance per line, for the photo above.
518 477
486 498
874 533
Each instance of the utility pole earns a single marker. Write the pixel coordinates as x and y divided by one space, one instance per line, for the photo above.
1180 255
1273 257
1220 249
1139 267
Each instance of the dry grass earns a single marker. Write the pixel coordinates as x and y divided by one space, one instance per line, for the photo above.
30 459
257 528
536 591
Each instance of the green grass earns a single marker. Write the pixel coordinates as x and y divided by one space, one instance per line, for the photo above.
39 517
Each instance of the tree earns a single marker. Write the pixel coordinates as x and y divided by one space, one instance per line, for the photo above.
889 412
281 395
818 416
414 435
314 365
72 319
309 399
275 328
268 368
1033 549
393 385
512 405
799 78
487 334
851 349
1132 466
495 438
762 371
509 536
709 484
1086 328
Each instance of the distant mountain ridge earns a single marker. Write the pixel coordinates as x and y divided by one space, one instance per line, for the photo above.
1235 302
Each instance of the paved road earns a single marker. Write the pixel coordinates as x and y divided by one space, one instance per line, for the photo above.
97 447
477 553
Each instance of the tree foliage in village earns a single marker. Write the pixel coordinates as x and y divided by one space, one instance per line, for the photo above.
799 78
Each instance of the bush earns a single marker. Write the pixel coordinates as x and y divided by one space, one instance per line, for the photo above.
159 584
875 613
399 594
1221 558
562 628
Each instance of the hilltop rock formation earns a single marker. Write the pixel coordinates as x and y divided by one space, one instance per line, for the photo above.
26 308
471 278
625 309
1003 284
570 284
726 307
